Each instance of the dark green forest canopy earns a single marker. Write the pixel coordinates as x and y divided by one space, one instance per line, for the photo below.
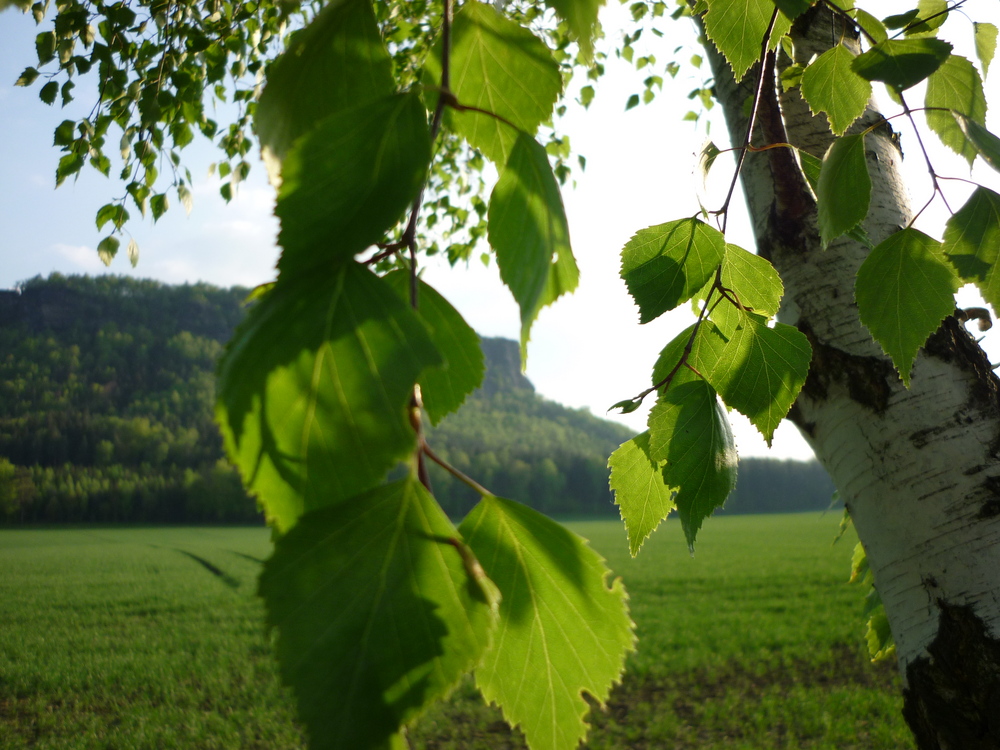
106 414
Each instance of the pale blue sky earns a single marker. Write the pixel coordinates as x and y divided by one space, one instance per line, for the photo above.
586 351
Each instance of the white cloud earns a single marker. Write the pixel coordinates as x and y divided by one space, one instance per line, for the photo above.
82 257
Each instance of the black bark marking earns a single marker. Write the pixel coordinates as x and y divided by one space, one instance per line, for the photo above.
952 699
868 379
953 344
990 509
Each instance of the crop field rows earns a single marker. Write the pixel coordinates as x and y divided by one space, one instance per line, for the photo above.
153 638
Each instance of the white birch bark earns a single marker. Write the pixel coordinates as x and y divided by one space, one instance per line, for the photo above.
918 468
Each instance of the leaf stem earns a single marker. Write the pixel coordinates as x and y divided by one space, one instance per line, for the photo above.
466 480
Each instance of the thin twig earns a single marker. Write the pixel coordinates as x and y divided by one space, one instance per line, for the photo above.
665 383
766 64
927 159
409 239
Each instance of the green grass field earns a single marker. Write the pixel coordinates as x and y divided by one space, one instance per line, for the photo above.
152 638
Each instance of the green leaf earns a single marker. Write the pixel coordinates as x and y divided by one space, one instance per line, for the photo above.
133 252
158 205
986 43
337 62
528 231
737 29
830 85
793 8
761 370
581 20
48 92
107 249
641 492
665 265
901 63
63 135
349 180
563 631
377 614
844 190
899 20
972 243
871 24
904 289
444 388
753 282
689 430
955 86
811 169
500 67
113 212
931 15
69 164
707 343
27 77
632 103
314 389
986 144
45 46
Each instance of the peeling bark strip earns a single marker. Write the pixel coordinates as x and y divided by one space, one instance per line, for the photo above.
952 699
919 469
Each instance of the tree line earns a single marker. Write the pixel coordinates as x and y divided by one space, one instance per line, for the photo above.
106 415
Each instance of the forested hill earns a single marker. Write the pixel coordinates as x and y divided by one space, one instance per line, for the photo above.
106 404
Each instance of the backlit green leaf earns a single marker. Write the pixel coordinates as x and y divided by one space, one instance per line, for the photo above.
641 492
871 24
987 144
366 658
500 67
830 85
761 370
737 29
972 243
563 631
444 387
901 63
337 62
27 77
348 181
705 349
844 190
314 389
665 265
528 231
133 252
931 14
904 289
986 43
750 280
955 86
581 18
107 249
689 431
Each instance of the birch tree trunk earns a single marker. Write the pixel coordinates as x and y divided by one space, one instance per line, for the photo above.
918 469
